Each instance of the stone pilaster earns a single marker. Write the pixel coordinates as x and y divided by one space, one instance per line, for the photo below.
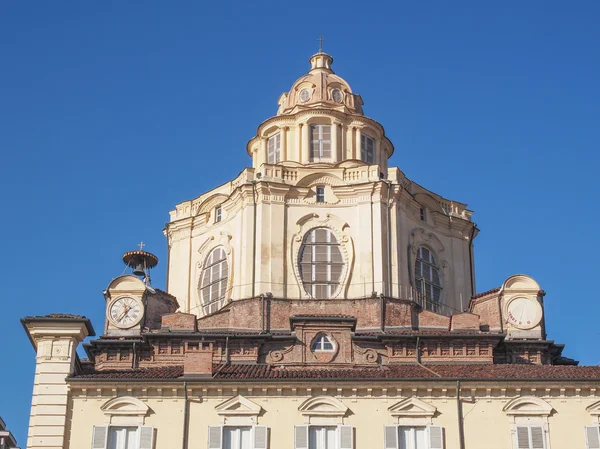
55 339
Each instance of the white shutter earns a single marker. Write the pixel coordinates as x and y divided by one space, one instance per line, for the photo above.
592 437
260 437
215 437
435 437
100 437
522 437
390 434
538 437
146 437
301 437
345 437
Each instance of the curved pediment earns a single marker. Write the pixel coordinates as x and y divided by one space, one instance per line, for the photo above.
125 405
412 407
521 282
127 282
528 405
320 179
323 406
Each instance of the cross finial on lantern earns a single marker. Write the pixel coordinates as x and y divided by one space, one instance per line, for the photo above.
320 39
141 245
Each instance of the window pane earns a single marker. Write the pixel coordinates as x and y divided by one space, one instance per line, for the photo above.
421 438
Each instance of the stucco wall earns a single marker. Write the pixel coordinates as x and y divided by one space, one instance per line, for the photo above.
486 425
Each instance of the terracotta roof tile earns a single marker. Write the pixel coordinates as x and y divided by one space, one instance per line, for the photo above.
489 292
390 372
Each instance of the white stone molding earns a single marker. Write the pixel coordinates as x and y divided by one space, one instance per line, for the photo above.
527 407
594 410
238 410
521 283
125 410
412 411
214 241
340 229
323 410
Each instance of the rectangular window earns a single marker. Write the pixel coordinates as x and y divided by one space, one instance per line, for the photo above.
421 437
530 437
320 194
320 142
323 437
121 437
592 437
237 437
273 149
367 149
218 214
422 213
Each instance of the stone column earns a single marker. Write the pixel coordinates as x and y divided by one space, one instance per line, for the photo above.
357 143
305 143
263 148
334 141
283 155
55 339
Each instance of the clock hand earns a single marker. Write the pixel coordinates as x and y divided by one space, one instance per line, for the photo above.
124 313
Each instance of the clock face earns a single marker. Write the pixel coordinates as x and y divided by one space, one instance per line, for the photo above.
523 313
125 312
304 95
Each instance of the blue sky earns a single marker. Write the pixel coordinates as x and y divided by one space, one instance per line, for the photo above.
113 112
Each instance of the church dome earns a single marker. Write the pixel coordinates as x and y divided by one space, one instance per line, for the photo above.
320 88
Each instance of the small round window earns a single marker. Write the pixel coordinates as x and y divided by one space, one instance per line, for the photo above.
337 95
322 343
304 95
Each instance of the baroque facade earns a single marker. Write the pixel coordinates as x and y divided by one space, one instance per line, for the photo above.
320 300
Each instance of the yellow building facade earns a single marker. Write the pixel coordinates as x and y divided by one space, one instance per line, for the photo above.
320 300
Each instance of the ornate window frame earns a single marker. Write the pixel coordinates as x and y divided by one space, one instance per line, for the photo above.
412 411
420 237
340 229
221 239
323 410
594 410
239 411
125 411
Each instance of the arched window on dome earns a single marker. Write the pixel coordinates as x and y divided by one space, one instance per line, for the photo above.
213 285
321 263
427 279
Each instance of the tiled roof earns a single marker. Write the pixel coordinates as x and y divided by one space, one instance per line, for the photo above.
489 292
329 315
425 333
390 372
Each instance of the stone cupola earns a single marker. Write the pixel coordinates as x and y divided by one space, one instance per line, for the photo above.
320 121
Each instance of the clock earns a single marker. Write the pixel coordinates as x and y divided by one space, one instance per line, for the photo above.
523 313
304 95
125 312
